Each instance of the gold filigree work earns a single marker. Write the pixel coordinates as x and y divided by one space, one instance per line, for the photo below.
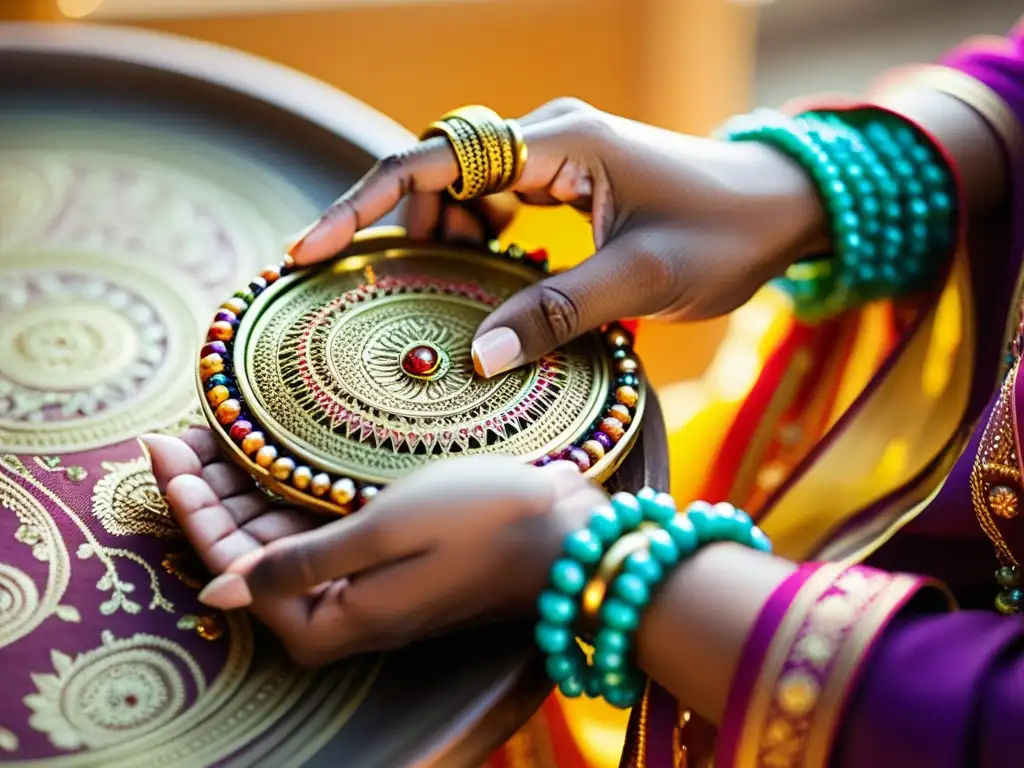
995 480
323 368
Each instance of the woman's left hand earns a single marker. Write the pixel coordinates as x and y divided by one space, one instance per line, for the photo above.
457 542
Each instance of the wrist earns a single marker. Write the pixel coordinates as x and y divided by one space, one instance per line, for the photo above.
790 219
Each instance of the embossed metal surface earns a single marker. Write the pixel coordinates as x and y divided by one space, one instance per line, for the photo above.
363 370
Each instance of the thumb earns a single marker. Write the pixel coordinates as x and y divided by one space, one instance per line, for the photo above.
627 278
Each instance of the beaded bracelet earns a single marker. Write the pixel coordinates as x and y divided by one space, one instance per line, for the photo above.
623 590
887 194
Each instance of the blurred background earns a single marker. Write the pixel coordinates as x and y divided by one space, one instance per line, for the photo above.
681 64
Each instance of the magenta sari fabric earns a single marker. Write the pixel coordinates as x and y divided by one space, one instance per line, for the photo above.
863 666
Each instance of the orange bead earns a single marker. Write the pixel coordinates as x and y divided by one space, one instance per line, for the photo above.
282 468
613 428
266 456
302 477
343 492
620 412
210 365
593 449
618 338
271 275
627 396
321 484
229 411
252 442
217 395
220 331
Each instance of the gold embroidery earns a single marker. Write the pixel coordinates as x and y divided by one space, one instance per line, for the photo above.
127 501
8 740
995 480
184 567
119 691
22 609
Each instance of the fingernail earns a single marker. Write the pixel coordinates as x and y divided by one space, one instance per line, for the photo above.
496 351
247 562
226 592
564 474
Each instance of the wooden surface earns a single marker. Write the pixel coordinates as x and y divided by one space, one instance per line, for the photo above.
448 702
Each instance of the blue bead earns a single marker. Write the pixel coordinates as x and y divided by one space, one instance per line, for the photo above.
620 698
684 535
646 498
605 524
657 507
592 686
759 541
913 188
613 679
941 202
552 639
618 615
918 208
571 687
584 547
628 510
555 608
663 549
631 589
568 577
608 639
609 661
560 666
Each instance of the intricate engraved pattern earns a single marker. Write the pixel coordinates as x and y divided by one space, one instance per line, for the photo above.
325 367
110 264
127 501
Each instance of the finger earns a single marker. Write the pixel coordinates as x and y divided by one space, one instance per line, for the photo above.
423 214
460 224
406 519
226 480
207 524
202 441
624 279
170 457
429 166
247 506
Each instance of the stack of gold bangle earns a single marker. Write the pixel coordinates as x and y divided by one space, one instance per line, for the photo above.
490 151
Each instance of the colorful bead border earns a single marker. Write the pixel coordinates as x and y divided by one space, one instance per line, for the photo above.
219 387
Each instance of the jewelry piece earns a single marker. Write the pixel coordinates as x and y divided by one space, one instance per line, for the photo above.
611 568
326 384
490 151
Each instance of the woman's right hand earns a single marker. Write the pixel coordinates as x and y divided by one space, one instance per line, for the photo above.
685 228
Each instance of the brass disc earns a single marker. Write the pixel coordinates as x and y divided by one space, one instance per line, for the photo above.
361 371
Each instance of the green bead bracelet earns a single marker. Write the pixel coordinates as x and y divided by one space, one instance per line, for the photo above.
889 197
671 537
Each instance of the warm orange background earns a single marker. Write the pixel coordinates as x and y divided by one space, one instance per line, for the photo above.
682 64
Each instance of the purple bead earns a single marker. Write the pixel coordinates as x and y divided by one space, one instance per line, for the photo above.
226 316
543 461
606 442
579 457
214 348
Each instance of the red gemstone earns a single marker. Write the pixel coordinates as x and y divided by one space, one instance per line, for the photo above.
421 361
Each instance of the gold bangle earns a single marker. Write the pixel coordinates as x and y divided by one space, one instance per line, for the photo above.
490 151
610 566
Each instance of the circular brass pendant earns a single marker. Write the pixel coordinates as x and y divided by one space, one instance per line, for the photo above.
327 383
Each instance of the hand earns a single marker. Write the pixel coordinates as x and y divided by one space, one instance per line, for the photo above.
458 542
685 228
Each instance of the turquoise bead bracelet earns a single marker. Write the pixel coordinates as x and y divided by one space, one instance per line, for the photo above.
888 195
669 538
